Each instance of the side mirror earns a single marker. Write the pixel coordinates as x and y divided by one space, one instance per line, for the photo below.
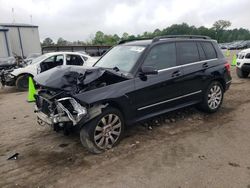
147 70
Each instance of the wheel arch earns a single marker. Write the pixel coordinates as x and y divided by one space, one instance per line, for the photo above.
24 73
17 78
116 105
221 81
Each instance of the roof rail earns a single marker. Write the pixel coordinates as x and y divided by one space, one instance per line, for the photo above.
130 40
181 36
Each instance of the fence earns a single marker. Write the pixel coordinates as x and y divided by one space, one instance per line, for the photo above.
91 50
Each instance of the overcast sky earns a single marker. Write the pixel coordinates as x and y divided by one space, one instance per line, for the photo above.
79 20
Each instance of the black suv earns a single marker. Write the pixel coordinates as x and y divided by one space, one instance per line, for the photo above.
132 82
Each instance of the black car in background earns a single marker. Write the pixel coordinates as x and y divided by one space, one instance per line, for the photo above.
134 81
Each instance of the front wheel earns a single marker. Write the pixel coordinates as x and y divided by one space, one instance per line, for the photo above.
212 98
103 132
241 73
22 82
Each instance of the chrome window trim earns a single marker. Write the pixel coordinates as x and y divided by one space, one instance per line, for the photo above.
194 63
169 100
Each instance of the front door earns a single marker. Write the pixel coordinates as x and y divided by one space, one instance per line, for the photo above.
155 93
51 62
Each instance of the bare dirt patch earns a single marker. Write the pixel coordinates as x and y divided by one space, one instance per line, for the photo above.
185 148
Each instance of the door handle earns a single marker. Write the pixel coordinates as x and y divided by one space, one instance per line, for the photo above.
205 65
176 74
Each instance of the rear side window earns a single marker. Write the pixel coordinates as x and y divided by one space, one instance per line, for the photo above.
187 52
74 60
162 56
209 50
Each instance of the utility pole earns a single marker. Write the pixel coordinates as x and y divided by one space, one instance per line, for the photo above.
31 19
13 15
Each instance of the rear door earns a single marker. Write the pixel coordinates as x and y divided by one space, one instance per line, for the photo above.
195 62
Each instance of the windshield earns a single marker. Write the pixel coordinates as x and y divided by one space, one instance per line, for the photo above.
34 55
40 58
121 57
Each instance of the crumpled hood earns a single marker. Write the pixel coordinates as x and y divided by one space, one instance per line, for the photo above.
7 62
67 77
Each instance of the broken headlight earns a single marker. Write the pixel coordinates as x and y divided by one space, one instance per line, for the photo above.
72 108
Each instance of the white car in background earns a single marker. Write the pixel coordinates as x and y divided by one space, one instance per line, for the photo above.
243 63
19 77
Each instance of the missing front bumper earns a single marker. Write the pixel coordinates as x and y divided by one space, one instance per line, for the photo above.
7 79
66 110
44 119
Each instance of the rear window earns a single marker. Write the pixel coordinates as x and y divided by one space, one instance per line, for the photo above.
187 52
209 50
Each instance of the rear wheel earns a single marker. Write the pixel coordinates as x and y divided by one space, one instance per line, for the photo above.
241 73
212 98
103 132
22 82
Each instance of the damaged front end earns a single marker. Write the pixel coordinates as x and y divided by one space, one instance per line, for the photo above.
61 112
6 78
56 103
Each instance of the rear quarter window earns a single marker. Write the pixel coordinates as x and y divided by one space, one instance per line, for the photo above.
201 52
209 50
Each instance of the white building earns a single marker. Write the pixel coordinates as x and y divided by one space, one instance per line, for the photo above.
22 39
5 48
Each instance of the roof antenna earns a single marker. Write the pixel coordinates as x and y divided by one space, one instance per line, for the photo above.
13 16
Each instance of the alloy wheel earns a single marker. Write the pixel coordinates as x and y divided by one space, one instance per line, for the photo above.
107 131
214 97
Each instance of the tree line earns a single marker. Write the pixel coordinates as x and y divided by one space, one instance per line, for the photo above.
219 31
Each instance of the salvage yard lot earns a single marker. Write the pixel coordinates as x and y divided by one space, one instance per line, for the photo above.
186 148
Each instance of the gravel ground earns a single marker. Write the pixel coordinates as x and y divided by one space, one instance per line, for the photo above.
185 148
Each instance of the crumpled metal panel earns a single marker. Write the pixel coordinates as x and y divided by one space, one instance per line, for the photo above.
66 77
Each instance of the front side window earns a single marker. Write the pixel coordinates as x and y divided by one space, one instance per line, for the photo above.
74 60
161 56
54 60
39 59
122 57
187 52
51 62
241 56
247 56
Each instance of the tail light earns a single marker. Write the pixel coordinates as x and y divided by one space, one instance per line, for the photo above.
227 66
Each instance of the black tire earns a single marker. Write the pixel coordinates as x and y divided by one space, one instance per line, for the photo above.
90 130
22 82
241 74
209 98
